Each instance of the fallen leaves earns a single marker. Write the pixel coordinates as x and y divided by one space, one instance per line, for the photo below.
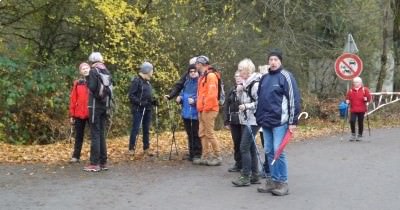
118 147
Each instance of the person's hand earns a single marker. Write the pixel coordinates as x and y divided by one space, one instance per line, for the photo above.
178 99
167 97
228 127
292 128
365 99
347 101
191 101
71 120
242 107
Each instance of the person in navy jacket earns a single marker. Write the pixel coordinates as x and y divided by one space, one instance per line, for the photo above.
189 113
277 112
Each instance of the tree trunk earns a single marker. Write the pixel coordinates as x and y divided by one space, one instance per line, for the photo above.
385 37
396 44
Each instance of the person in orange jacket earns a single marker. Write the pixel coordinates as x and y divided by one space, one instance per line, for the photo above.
78 109
358 97
208 108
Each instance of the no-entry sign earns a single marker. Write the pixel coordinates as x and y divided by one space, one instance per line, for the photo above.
348 66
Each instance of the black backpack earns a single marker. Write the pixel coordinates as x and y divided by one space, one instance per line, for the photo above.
248 89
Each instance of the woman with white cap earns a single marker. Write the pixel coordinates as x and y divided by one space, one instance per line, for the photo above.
358 97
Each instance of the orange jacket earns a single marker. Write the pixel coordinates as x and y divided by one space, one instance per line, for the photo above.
207 92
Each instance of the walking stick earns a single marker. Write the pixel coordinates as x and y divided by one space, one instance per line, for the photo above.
173 128
369 128
248 126
157 128
71 131
140 127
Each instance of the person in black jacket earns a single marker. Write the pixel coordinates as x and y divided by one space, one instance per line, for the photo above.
141 98
178 86
232 122
99 102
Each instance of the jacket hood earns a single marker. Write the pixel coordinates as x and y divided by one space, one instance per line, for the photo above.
253 77
99 65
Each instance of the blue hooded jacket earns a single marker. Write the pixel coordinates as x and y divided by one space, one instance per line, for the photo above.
278 99
189 91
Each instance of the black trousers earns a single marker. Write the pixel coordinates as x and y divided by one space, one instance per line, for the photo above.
98 148
359 116
236 133
79 134
194 142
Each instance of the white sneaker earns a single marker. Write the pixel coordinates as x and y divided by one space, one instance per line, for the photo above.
74 160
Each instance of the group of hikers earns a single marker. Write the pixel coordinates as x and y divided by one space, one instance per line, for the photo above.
267 102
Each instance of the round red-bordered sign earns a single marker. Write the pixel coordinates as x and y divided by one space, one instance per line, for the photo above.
348 66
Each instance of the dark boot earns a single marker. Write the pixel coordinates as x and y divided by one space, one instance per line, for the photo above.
255 179
235 168
243 180
281 189
269 186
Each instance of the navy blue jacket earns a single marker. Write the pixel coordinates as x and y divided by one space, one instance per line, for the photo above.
189 91
278 99
140 94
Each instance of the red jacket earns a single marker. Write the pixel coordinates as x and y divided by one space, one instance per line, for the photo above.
78 102
356 99
207 92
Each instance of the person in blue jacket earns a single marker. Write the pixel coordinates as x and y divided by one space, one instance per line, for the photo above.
187 99
277 112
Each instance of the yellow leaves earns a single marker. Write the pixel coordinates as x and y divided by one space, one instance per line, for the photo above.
212 32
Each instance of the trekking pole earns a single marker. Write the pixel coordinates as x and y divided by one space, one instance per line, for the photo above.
191 131
71 131
369 128
140 127
173 128
157 128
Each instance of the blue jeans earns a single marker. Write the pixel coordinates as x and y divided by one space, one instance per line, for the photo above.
273 138
248 150
136 119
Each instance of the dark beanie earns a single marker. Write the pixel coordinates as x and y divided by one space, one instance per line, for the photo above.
275 53
191 66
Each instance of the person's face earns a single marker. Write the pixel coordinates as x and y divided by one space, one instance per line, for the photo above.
151 74
274 63
193 73
244 74
238 79
200 68
84 71
357 84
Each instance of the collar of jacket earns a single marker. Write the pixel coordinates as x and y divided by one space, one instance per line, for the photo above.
276 71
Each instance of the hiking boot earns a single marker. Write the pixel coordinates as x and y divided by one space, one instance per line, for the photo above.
214 162
255 179
199 161
281 189
268 187
353 137
147 152
242 181
235 168
74 160
103 167
130 152
92 168
359 137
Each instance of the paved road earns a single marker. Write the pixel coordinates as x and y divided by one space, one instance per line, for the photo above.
324 174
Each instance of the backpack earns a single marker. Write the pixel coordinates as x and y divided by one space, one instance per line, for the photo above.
104 90
248 89
221 91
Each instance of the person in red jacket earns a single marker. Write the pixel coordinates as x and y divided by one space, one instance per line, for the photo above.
78 109
358 97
